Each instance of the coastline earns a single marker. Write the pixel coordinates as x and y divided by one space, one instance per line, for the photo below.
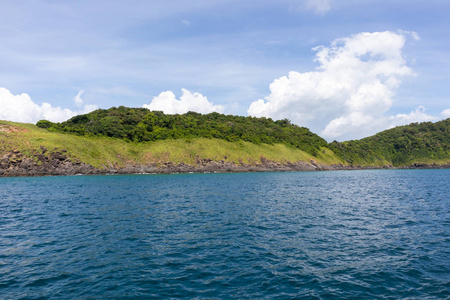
58 164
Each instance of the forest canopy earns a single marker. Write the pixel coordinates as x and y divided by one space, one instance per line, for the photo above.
397 146
141 124
400 145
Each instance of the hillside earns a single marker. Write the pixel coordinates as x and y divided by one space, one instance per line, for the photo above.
127 140
26 149
417 143
142 125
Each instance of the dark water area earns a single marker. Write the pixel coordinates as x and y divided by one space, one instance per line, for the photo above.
377 234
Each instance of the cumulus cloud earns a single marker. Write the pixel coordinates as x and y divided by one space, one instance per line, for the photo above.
355 123
169 104
350 93
21 108
417 115
445 113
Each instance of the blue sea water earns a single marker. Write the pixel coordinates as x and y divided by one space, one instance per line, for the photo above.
377 234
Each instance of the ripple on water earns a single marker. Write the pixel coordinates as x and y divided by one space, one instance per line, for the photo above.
362 234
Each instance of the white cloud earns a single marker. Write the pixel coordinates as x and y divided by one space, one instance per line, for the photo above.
350 93
415 36
318 6
78 100
355 123
86 108
20 108
169 104
445 113
417 115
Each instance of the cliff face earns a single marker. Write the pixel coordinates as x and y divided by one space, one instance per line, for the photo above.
17 164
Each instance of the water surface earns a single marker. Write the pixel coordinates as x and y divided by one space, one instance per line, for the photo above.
320 235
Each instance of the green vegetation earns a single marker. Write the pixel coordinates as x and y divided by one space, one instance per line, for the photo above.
404 145
142 125
106 152
119 137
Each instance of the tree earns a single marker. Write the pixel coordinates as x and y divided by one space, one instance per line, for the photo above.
44 124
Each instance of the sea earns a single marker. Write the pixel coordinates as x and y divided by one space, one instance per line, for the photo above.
369 234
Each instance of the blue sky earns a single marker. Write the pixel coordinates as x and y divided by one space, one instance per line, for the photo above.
60 58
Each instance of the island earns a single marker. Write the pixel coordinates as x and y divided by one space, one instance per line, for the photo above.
123 140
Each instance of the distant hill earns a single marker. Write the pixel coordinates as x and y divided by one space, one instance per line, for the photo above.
424 143
141 125
136 140
404 145
28 150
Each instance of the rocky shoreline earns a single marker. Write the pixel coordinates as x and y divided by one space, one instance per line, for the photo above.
16 164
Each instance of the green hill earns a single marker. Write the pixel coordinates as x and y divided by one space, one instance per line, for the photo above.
417 143
142 125
27 149
136 140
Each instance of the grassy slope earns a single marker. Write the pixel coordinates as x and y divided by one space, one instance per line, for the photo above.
106 152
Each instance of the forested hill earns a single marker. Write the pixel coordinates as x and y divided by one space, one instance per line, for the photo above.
424 142
141 124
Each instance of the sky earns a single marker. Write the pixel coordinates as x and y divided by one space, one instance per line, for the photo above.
345 69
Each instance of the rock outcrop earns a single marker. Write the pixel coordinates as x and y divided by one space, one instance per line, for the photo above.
57 162
16 163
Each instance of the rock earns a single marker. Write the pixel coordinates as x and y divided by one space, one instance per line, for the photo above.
15 163
58 156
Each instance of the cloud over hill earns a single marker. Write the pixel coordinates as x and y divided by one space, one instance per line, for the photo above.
350 93
169 104
21 108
